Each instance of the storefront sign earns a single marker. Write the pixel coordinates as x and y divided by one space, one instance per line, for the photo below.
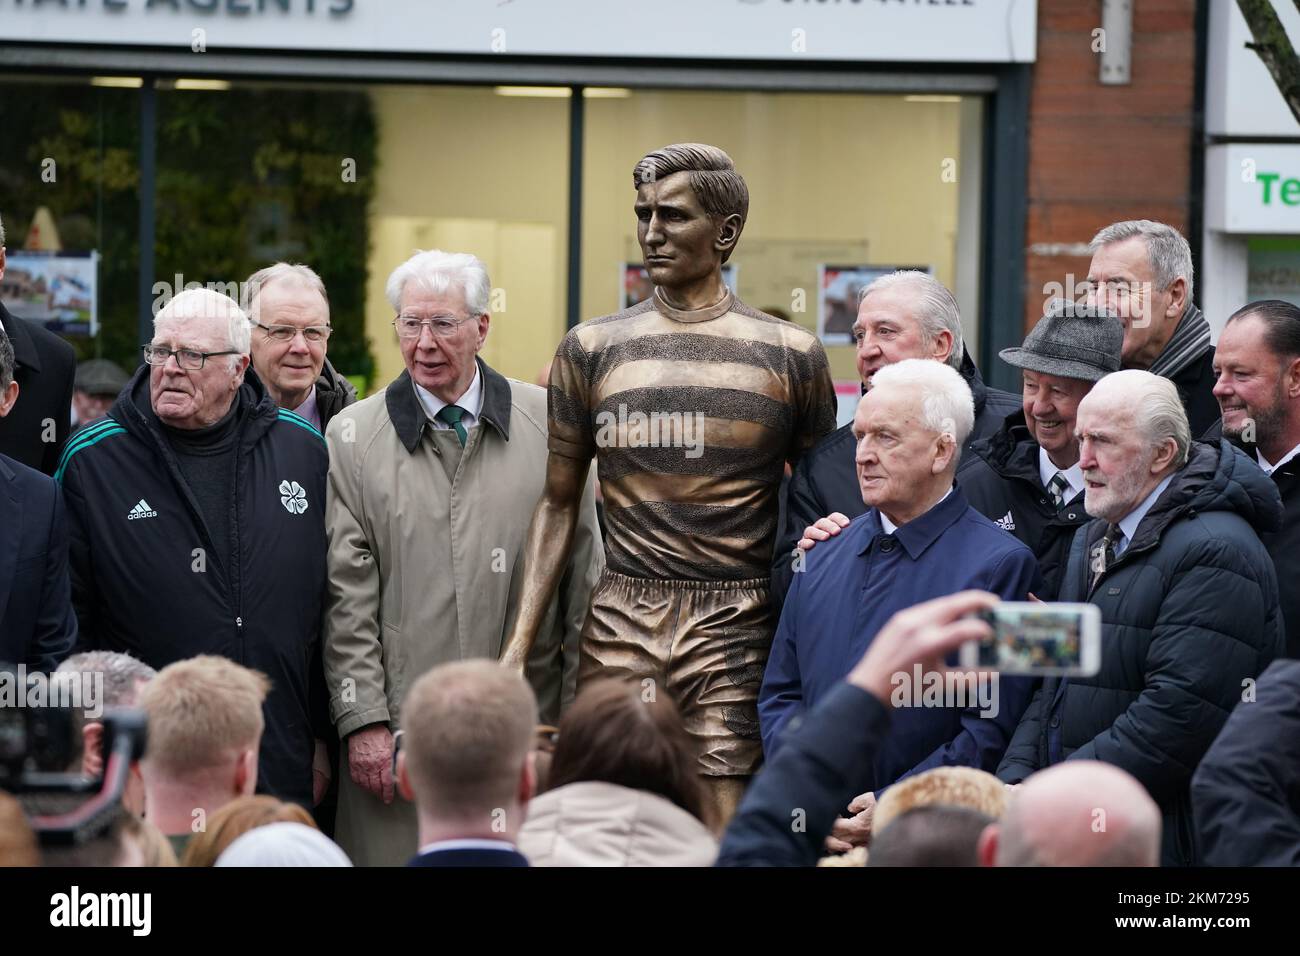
974 31
1253 189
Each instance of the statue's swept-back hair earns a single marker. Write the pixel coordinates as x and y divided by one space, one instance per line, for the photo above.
712 175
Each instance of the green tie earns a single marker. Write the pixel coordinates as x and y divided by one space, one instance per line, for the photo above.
451 415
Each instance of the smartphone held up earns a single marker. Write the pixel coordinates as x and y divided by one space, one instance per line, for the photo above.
1038 639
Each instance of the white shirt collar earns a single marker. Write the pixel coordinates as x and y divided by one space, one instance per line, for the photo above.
469 844
1128 525
1269 469
471 401
890 527
1047 471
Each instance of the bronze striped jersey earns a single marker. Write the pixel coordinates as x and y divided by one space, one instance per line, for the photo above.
691 417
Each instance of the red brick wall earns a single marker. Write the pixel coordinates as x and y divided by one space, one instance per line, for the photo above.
1098 154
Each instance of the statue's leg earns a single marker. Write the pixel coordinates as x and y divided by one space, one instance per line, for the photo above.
716 669
724 797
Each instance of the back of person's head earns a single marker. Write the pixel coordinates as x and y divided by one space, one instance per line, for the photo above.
934 835
234 820
18 846
1078 813
122 676
109 680
615 733
283 844
205 713
948 786
469 729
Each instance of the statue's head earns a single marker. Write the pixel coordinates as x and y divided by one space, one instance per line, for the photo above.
691 206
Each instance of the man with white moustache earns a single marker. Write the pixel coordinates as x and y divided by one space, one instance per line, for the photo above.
1188 599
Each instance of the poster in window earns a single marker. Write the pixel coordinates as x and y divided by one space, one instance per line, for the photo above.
58 290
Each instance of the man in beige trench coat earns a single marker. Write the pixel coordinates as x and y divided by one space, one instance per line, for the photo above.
431 487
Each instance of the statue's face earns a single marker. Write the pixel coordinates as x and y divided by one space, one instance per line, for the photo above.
681 242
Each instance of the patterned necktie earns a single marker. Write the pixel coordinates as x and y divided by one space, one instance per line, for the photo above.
1104 553
452 415
1057 488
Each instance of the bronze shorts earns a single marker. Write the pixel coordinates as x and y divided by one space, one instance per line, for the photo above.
705 642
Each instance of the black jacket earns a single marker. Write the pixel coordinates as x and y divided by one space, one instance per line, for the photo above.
822 764
1189 612
37 626
826 480
333 394
46 368
1001 481
1246 792
1196 388
1284 544
146 578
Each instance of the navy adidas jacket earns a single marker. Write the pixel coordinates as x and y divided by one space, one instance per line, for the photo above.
146 578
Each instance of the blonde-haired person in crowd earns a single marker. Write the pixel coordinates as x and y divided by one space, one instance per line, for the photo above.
205 728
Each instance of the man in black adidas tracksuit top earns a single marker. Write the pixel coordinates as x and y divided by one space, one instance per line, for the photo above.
207 540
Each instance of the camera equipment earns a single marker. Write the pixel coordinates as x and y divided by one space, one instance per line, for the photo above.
40 739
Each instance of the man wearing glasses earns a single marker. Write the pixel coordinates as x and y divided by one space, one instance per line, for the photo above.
290 313
196 517
432 483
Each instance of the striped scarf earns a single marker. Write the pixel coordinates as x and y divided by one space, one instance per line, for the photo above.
1191 340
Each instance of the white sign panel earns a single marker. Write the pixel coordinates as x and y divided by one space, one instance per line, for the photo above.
1253 189
973 31
1241 98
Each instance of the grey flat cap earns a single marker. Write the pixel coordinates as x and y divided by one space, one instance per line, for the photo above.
100 377
1071 340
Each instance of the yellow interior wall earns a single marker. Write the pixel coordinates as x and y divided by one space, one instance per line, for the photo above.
464 170
833 178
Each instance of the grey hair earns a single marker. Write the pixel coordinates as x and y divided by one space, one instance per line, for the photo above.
122 673
437 272
1167 251
936 309
259 280
209 304
947 406
1157 410
2 233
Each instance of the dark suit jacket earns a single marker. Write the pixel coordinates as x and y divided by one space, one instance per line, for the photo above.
470 856
46 369
37 625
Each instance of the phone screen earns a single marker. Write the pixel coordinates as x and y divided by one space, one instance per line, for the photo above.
1033 639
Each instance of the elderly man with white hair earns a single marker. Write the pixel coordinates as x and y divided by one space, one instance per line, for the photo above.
917 540
1187 592
432 485
903 315
196 512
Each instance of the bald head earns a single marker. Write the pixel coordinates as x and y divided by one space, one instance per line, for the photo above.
1080 813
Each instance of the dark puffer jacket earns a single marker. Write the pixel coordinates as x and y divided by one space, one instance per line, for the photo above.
1189 612
1247 796
1001 481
